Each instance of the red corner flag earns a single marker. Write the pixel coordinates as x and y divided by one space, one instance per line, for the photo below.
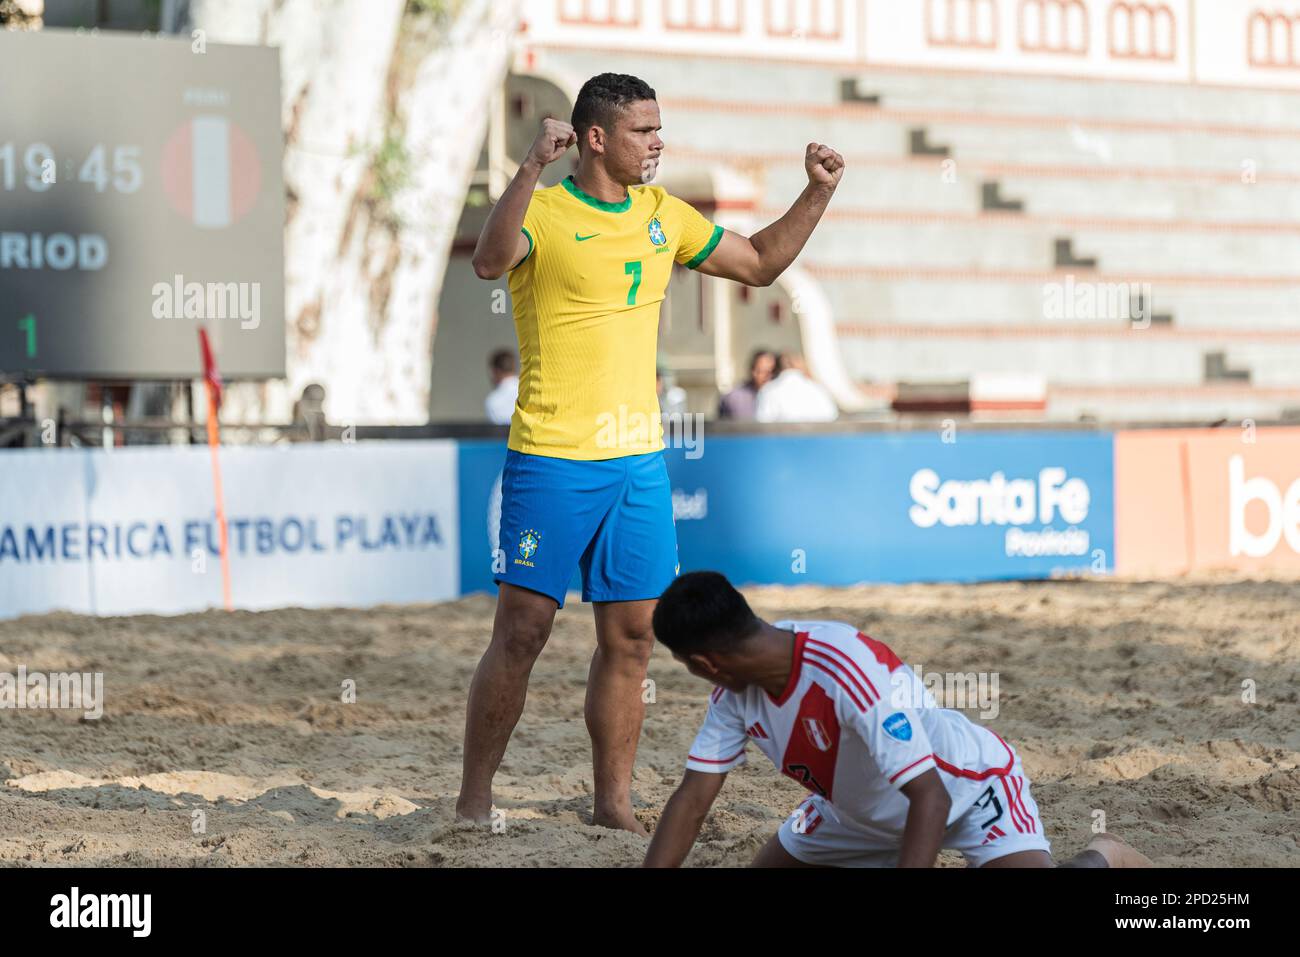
210 372
212 379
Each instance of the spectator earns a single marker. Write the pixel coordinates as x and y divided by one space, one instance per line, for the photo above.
503 369
672 399
741 401
309 413
148 400
793 397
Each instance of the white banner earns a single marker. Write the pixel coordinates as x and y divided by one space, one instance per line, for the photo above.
133 531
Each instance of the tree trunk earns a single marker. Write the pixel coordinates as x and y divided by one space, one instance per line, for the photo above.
21 14
384 117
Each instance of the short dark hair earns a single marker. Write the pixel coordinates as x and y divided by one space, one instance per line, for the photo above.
503 360
603 97
701 611
758 354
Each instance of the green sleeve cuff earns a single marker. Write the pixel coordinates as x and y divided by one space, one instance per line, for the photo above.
703 254
529 237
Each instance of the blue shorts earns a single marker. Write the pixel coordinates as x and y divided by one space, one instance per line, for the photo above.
612 518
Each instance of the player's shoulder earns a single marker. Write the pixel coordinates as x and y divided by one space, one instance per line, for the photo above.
850 640
720 697
650 190
832 632
547 196
846 659
657 198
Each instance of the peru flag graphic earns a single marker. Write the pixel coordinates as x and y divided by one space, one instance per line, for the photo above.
211 172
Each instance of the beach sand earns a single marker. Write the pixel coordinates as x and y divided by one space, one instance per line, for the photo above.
1124 698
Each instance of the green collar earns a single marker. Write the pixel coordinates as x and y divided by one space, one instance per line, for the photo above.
600 204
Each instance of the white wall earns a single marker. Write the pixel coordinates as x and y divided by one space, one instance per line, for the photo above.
1207 41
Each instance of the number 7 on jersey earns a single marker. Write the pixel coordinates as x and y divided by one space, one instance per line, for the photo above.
633 269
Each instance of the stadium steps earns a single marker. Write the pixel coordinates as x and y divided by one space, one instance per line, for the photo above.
896 298
856 129
1205 404
760 80
1010 242
1052 137
1080 146
888 181
1087 99
1146 177
1113 361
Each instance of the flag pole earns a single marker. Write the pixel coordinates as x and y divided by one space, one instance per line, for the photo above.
212 384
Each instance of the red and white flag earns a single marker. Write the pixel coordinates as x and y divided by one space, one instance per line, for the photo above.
211 173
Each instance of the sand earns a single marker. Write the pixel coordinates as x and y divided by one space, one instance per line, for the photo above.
1122 697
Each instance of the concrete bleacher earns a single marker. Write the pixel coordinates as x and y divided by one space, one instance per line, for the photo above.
1192 190
1107 100
1027 243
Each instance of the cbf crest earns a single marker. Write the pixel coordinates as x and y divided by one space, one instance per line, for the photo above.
657 232
530 541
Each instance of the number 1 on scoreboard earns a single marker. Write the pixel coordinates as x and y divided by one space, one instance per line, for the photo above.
28 324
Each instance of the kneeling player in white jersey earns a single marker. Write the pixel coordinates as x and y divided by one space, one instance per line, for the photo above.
894 778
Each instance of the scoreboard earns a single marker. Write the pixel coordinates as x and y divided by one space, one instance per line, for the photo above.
141 196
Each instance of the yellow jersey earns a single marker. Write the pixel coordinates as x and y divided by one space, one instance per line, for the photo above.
586 306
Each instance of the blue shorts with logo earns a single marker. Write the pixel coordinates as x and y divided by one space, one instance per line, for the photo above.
612 518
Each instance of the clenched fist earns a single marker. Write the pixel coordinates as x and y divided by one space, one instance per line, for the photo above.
552 142
824 165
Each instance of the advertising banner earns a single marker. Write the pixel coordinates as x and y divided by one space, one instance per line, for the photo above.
133 531
840 509
1201 499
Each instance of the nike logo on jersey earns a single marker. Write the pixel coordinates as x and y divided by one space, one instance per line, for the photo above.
583 239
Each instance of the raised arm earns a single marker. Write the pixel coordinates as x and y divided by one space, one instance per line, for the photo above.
502 243
759 259
682 819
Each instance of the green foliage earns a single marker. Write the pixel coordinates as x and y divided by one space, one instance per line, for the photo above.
437 8
391 173
392 165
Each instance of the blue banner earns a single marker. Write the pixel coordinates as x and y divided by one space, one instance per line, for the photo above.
479 478
842 509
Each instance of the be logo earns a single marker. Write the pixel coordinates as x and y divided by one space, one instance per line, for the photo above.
1282 508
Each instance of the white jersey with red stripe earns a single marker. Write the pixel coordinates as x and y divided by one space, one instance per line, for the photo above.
853 725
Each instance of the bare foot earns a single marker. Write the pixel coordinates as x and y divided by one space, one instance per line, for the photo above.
622 821
1117 852
479 812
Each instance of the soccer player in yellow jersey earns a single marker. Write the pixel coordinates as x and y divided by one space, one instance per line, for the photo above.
589 260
